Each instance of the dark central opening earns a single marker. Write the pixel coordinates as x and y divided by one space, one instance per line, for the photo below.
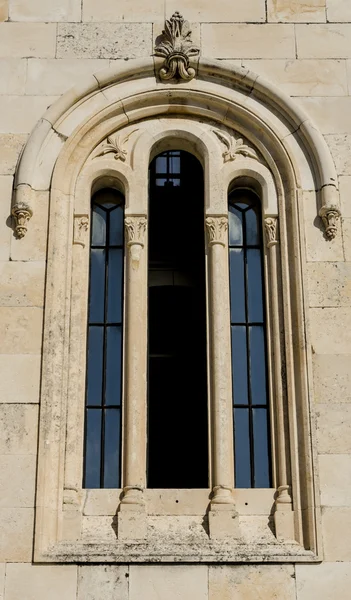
177 372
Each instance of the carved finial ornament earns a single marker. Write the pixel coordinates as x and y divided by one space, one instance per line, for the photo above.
115 144
135 227
21 213
271 229
235 146
217 228
176 47
330 216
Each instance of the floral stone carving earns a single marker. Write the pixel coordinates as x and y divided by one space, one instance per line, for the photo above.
330 216
176 47
235 146
115 144
217 230
270 224
21 213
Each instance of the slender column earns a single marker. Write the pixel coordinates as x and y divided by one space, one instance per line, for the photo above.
221 524
284 521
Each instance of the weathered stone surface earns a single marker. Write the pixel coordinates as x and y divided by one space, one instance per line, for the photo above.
251 582
48 10
335 479
172 582
2 580
111 12
346 230
19 378
56 76
12 75
345 195
338 11
296 11
336 524
329 284
334 428
21 328
330 330
18 431
24 40
4 10
251 11
22 284
16 535
17 481
331 115
33 245
248 41
6 184
326 581
19 114
127 40
323 41
10 148
107 582
340 147
36 582
332 378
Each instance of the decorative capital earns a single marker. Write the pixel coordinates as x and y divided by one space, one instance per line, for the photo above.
217 228
271 229
22 213
176 47
81 226
234 146
330 216
115 145
135 227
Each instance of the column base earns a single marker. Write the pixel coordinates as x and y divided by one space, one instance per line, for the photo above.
284 525
223 524
131 516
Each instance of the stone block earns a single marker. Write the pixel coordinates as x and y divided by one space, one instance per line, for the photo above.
19 378
18 429
340 147
10 149
132 525
6 184
27 40
33 245
56 76
176 582
336 527
110 40
22 284
12 75
37 582
334 428
251 11
332 378
107 582
296 11
111 11
2 580
331 115
330 330
21 329
323 41
335 479
47 10
251 582
338 11
19 114
318 249
17 481
16 536
329 284
346 230
326 581
248 41
304 77
345 195
4 10
223 524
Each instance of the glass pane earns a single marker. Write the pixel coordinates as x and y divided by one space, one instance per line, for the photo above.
237 287
161 164
261 450
239 365
113 365
257 365
98 236
115 281
97 286
161 182
254 286
112 448
252 237
95 361
242 448
174 164
93 448
116 226
173 182
235 227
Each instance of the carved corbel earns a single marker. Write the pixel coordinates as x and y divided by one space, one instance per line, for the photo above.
217 228
271 229
330 216
176 47
81 226
135 232
22 213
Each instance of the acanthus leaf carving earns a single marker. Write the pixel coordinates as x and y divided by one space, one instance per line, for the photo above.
217 228
176 46
271 229
135 227
22 213
235 147
115 144
330 216
81 226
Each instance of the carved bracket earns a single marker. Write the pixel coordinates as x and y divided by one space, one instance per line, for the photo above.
330 216
271 229
22 213
81 226
115 144
235 146
176 47
217 228
135 232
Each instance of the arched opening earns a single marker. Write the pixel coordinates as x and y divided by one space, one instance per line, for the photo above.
177 371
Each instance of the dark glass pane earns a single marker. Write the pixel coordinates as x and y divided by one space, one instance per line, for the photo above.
235 226
97 285
174 164
237 286
113 365
261 448
254 286
160 182
252 236
242 448
116 226
95 361
98 237
173 182
239 365
115 281
112 448
257 365
161 164
93 448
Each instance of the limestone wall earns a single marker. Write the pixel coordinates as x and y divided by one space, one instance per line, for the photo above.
304 46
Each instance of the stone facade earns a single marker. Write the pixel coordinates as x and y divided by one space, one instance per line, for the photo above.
52 46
